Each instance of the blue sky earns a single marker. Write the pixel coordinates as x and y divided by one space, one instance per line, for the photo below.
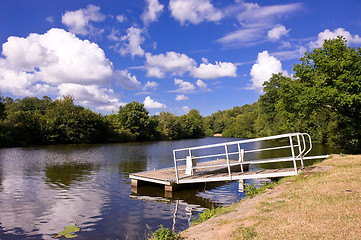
171 55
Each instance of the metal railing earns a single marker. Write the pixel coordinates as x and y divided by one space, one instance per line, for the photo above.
299 145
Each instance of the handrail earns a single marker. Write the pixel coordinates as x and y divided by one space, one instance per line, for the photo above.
300 146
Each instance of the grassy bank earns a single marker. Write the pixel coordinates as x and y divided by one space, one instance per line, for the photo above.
324 202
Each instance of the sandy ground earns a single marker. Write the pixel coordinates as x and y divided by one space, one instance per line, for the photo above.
221 227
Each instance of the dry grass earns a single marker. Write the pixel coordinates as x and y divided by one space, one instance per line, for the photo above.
324 202
322 205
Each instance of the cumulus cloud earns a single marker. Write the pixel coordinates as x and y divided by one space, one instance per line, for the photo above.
176 63
131 42
103 99
150 85
22 83
263 69
151 104
202 85
55 63
327 34
57 57
126 80
181 97
194 11
277 32
183 86
220 69
78 21
152 12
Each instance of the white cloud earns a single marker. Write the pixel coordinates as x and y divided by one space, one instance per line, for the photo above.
220 69
202 85
194 11
57 57
79 21
151 104
181 97
121 18
126 80
277 32
131 42
103 99
149 85
21 83
184 86
252 12
327 34
263 69
249 35
185 109
55 63
296 53
155 72
254 20
50 19
176 63
153 11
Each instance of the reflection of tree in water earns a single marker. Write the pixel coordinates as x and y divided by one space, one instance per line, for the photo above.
1 179
131 159
64 175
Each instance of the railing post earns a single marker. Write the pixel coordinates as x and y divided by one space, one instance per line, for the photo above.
175 166
240 156
300 150
293 153
229 167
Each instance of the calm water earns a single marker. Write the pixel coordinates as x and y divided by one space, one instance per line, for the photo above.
45 189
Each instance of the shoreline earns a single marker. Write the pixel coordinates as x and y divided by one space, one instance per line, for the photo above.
323 202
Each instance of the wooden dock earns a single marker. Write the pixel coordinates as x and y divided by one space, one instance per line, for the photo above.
195 165
218 172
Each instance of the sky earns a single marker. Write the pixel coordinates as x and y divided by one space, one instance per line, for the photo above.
171 55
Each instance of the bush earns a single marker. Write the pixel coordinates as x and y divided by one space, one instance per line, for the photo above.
164 233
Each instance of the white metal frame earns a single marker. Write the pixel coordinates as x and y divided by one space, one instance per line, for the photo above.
300 148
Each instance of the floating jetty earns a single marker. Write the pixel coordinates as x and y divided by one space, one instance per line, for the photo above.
230 161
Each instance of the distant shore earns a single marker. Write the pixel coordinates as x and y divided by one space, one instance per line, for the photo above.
323 202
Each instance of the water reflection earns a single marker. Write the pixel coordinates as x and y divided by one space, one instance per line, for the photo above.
44 189
64 175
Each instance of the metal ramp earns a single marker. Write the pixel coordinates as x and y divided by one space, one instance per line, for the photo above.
232 161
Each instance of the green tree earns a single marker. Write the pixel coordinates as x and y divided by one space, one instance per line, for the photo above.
329 78
2 108
134 116
169 126
70 123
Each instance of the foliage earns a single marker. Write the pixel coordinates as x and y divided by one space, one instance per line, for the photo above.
252 190
135 117
212 212
163 233
330 81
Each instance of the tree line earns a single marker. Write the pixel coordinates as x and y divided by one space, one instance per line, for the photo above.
323 98
33 121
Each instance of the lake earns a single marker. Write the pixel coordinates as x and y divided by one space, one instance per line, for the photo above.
44 189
